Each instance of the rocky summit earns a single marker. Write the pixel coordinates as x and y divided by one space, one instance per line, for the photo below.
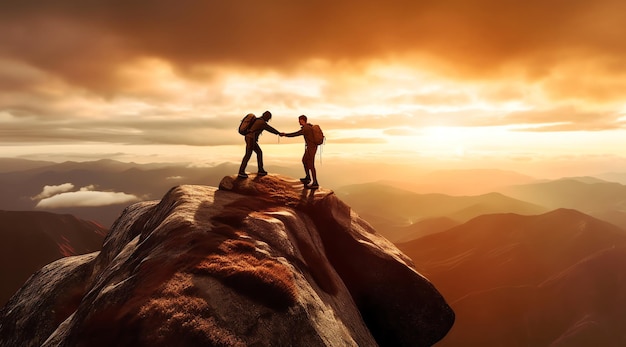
256 262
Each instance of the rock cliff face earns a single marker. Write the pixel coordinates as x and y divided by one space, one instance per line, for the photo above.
256 262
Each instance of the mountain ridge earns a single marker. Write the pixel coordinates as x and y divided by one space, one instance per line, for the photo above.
500 271
392 209
601 199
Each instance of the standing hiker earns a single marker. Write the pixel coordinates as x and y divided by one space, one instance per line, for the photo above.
313 137
252 137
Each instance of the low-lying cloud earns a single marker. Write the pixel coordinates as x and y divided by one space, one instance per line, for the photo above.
60 196
49 191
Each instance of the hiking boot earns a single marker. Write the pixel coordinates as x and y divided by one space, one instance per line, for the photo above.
242 175
313 185
262 173
305 180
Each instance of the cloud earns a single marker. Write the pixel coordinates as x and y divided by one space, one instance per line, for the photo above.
564 119
49 191
400 132
184 73
484 37
189 131
60 196
87 188
86 198
360 140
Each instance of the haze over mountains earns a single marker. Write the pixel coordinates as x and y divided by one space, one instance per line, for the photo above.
461 182
402 215
599 198
111 186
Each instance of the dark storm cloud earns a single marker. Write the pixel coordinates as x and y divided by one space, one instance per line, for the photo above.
84 41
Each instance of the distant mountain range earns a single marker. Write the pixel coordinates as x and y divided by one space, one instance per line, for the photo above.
145 182
401 215
619 177
32 239
460 182
455 194
598 198
14 164
527 280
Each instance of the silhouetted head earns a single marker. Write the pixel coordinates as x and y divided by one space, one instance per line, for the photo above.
267 115
302 120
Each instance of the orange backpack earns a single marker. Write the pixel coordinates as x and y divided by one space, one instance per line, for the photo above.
246 123
318 135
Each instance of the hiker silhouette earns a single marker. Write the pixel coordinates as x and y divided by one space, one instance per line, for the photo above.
310 149
252 144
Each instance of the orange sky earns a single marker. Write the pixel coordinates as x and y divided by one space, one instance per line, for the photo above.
476 82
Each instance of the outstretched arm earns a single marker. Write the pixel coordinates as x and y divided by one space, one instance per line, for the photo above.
294 134
271 129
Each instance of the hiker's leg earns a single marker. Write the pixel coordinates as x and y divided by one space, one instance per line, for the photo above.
304 164
246 157
311 163
259 156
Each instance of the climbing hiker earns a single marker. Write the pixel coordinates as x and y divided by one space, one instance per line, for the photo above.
251 137
313 137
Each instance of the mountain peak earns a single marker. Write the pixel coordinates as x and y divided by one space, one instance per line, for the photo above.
276 189
259 261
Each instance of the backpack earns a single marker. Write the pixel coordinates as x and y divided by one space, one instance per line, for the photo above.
246 123
318 135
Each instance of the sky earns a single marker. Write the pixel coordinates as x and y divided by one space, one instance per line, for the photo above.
535 86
